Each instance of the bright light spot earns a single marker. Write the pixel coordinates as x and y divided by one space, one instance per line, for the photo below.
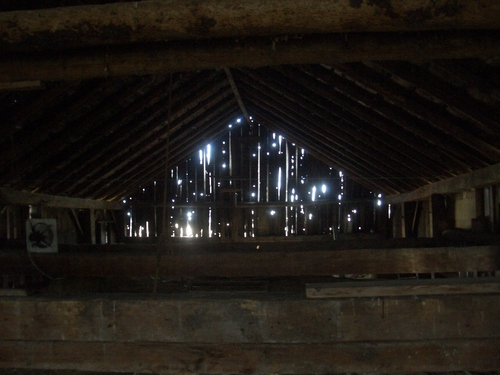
354 211
209 150
379 196
254 155
310 216
179 182
348 217
224 165
250 117
128 213
176 226
340 197
274 144
200 153
189 231
341 174
379 203
253 194
238 121
273 213
323 189
230 126
124 201
388 211
189 215
313 193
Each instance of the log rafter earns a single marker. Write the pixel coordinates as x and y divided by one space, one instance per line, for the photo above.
156 20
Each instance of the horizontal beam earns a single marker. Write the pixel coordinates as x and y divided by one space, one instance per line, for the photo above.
411 357
264 318
20 86
391 288
480 178
255 260
252 52
159 20
15 197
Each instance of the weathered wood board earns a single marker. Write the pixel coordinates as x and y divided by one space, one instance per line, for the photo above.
391 288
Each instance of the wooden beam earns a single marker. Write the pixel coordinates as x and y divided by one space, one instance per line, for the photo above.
482 177
20 86
159 20
440 356
8 196
256 335
254 318
237 94
391 288
253 52
258 259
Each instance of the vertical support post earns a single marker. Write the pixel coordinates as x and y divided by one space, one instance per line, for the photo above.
430 228
403 221
92 227
7 213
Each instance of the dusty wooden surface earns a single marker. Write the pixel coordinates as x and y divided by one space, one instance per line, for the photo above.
390 357
242 335
388 288
252 53
158 20
246 260
229 318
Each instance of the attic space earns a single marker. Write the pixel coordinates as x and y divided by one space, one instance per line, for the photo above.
246 187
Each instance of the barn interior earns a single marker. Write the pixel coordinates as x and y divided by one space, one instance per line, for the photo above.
249 187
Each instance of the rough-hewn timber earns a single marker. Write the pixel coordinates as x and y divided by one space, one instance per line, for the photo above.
252 52
252 335
482 177
248 359
158 20
9 196
412 287
269 260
